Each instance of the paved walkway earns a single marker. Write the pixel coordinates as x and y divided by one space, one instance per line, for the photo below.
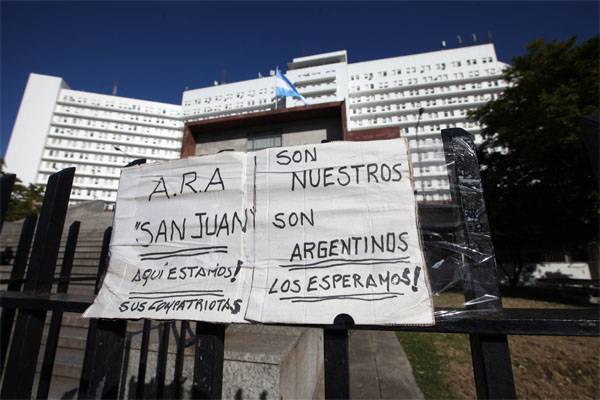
379 368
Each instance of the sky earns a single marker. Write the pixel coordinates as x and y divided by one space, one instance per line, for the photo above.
154 50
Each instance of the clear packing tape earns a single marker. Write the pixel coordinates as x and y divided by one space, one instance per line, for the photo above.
456 238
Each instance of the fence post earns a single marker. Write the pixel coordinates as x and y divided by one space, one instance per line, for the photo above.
208 362
490 353
179 358
7 182
27 338
104 347
54 330
164 330
141 378
335 358
17 274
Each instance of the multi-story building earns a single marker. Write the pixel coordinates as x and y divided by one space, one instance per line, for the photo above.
418 95
57 127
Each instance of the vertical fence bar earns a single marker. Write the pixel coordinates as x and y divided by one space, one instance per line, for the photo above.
17 274
141 377
7 182
208 362
335 358
124 369
336 367
27 338
177 375
104 347
164 330
490 353
54 330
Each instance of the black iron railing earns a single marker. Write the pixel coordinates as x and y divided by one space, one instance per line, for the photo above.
28 299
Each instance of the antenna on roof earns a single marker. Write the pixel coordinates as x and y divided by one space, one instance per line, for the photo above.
259 75
489 36
216 83
474 37
115 88
223 76
444 43
459 40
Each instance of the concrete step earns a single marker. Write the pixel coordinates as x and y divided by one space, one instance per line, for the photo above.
67 363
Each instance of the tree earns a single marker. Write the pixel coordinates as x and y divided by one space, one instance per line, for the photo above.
541 192
24 200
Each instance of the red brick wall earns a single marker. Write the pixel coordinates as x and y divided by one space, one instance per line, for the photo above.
373 134
188 145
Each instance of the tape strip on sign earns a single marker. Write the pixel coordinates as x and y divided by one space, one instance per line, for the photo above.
284 235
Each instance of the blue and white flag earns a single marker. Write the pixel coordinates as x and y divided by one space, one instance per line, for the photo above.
285 88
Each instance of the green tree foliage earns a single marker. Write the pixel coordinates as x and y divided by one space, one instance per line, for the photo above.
541 192
24 200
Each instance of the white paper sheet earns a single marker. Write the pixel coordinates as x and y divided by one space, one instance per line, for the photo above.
336 233
176 250
291 235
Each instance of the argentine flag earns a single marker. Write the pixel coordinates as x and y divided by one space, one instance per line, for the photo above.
285 88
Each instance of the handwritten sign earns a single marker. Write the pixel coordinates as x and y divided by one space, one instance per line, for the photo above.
291 235
337 234
176 250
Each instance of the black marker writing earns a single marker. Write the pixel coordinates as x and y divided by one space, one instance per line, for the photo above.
189 184
345 175
297 156
390 242
294 219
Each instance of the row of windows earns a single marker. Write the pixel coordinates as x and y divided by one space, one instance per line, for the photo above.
430 197
425 91
118 137
117 116
198 116
420 69
415 105
431 170
240 104
82 157
86 168
315 74
116 126
120 105
228 97
432 184
425 79
424 128
312 86
87 146
95 194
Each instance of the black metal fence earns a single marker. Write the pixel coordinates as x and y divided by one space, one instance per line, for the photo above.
29 298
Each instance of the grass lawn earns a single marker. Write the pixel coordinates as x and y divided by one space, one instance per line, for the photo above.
543 367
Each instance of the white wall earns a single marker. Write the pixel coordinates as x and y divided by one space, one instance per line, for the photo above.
31 126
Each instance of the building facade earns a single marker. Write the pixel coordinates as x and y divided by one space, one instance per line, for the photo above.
57 127
416 95
420 94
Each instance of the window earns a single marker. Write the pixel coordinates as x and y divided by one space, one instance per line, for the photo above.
263 142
